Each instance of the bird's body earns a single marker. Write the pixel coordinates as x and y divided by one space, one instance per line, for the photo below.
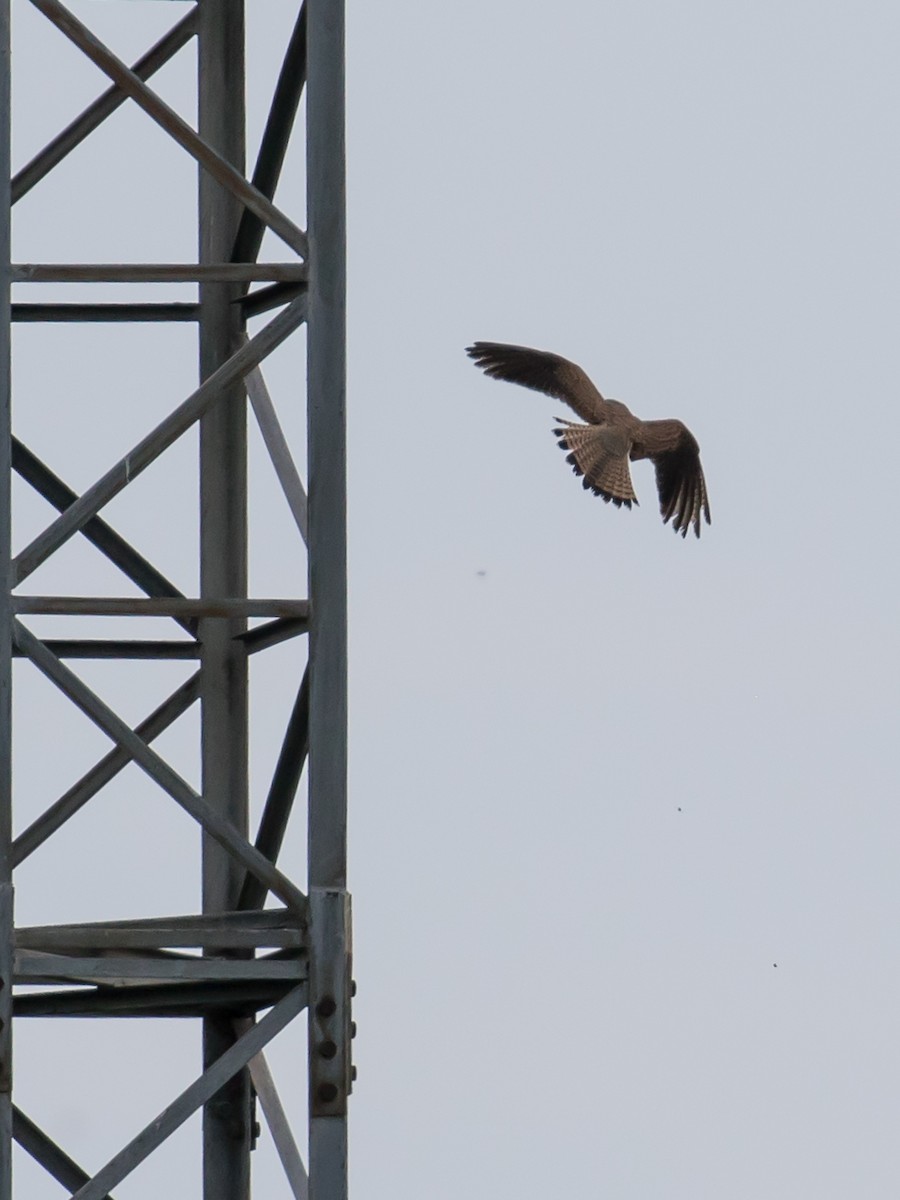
600 449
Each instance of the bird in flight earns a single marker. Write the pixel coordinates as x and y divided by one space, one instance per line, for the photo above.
599 451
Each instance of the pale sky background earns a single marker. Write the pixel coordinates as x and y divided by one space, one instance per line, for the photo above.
599 791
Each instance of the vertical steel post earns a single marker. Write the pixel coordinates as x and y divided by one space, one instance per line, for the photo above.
7 937
329 1024
227 1118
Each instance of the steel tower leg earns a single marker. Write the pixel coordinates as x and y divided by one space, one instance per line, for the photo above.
223 563
6 895
329 1015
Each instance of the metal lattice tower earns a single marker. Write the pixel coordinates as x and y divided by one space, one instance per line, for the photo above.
261 950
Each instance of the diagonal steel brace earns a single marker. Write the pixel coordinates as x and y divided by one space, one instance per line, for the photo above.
177 128
157 768
77 515
202 1089
73 800
93 116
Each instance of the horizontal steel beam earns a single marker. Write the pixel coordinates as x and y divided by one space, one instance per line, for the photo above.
124 649
159 1000
36 966
80 512
75 133
218 167
162 933
159 272
255 919
139 606
113 941
65 314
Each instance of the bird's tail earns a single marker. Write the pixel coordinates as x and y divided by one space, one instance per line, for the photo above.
599 455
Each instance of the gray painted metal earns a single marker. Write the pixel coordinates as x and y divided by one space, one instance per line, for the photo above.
327 837
275 139
99 776
228 1116
103 313
328 1157
59 938
7 978
6 619
327 446
108 542
250 959
75 133
159 439
216 271
280 800
257 927
32 966
125 649
176 1000
273 633
329 1003
279 451
168 119
273 295
204 812
199 1092
177 607
279 1127
261 918
44 1150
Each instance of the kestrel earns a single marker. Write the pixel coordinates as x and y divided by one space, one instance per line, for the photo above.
599 451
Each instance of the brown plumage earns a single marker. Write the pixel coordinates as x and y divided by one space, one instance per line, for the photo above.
600 450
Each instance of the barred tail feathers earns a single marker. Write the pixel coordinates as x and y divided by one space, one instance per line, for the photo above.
599 454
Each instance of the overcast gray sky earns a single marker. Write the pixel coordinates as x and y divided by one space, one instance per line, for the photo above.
600 790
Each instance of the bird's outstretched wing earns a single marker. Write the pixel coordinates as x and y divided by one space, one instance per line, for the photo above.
679 475
543 372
